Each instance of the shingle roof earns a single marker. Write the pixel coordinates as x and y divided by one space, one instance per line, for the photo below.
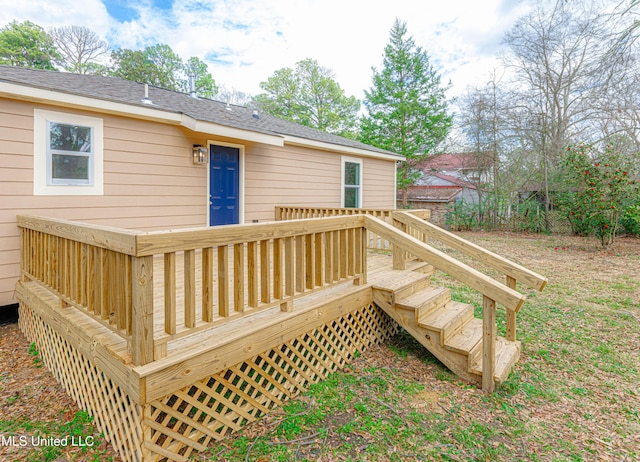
454 180
201 109
433 193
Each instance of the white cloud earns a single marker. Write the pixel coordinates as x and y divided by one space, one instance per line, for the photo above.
245 41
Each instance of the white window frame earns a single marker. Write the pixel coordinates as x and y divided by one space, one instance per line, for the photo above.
351 160
43 185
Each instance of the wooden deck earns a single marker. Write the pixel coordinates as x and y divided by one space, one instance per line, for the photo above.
172 339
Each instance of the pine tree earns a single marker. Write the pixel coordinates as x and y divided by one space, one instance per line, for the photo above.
407 106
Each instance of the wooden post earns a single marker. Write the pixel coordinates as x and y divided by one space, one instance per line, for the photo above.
511 315
399 261
489 334
142 310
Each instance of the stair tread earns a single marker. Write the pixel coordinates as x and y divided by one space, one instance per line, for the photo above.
507 354
442 317
466 338
422 297
395 280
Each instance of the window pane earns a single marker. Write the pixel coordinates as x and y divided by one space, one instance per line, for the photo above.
69 167
351 174
351 197
69 137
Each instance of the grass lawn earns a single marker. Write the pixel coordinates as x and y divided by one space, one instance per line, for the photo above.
574 395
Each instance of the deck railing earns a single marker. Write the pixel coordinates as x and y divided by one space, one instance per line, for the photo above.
412 242
84 265
127 280
374 242
228 272
233 271
512 271
492 291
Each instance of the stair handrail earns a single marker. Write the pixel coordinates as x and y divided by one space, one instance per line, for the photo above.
493 260
506 296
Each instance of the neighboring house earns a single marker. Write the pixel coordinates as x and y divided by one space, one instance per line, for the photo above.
467 171
468 192
113 152
437 199
470 167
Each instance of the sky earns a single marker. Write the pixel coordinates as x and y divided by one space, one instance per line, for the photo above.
245 41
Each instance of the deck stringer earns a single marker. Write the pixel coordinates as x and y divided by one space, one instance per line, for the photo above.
446 328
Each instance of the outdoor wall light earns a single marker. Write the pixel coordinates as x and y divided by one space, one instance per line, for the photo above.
199 154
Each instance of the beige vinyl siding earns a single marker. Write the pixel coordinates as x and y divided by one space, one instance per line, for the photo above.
298 176
289 175
378 184
150 181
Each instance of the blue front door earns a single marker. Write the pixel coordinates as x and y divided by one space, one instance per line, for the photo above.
224 185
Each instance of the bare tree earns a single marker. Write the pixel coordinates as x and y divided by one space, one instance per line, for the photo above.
484 123
559 60
80 49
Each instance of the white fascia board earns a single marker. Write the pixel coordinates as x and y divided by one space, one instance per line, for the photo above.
211 128
296 141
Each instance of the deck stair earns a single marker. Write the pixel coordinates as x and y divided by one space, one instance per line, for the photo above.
448 329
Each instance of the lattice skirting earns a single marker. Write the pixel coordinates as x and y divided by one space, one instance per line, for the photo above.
114 414
189 419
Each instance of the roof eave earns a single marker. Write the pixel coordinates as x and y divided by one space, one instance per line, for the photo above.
146 112
325 146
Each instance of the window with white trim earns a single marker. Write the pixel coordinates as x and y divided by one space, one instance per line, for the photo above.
351 182
68 154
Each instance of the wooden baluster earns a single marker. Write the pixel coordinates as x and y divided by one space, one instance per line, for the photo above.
238 277
265 271
102 298
189 288
328 260
128 291
252 269
343 253
289 273
91 276
310 261
277 269
223 281
84 273
511 315
207 284
489 334
170 293
320 260
300 264
337 257
351 252
289 267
